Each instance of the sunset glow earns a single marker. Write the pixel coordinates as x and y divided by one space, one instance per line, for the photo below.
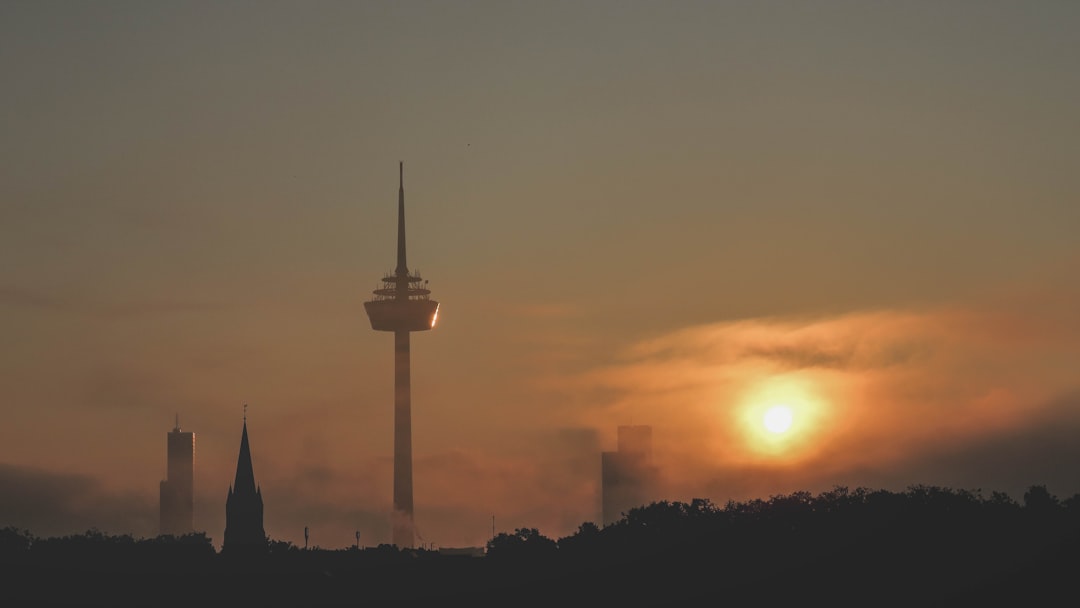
807 246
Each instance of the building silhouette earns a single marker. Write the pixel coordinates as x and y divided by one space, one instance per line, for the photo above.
628 477
244 531
177 492
402 305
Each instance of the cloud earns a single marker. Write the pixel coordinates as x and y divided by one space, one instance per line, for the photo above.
548 481
879 396
51 504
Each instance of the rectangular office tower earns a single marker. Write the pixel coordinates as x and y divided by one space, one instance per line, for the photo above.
178 489
627 476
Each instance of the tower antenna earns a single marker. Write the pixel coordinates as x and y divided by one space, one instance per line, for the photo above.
402 268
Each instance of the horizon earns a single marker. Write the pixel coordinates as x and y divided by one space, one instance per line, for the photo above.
682 215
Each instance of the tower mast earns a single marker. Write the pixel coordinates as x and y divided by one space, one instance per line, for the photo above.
402 305
402 268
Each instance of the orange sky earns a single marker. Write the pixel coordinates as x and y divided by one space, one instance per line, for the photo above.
672 214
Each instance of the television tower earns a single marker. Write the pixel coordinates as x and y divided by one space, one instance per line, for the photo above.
402 305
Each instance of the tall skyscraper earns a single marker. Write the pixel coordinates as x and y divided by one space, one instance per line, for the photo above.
402 305
177 492
244 506
627 475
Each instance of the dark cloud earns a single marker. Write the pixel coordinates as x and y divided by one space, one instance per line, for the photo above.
55 504
1042 452
847 356
797 357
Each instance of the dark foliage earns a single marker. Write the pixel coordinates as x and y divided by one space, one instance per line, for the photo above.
524 544
925 546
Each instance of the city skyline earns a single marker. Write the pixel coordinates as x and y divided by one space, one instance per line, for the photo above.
681 215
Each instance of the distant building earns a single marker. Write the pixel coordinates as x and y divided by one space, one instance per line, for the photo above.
177 495
244 506
627 476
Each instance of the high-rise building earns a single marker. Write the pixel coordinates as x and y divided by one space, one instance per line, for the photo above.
627 475
177 492
402 305
244 506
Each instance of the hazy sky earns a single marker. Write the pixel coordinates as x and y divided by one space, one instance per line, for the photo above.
663 213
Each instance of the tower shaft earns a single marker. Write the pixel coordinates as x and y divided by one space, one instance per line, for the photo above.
403 487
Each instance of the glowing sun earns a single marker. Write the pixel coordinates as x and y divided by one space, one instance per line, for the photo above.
777 419
782 419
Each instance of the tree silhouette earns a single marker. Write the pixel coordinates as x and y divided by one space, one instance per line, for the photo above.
925 545
523 544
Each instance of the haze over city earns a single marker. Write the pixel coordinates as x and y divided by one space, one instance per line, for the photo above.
670 214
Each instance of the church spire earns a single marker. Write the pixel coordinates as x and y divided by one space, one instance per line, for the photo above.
244 504
245 473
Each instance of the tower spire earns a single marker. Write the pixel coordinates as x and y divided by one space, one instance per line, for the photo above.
245 473
402 269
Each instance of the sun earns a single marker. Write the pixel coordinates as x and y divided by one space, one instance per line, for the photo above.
777 419
782 418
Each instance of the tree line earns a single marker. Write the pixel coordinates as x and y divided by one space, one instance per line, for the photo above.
921 546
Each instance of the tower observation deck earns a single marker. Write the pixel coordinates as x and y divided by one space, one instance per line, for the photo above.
402 305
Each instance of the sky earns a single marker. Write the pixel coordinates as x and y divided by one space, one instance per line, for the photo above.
676 214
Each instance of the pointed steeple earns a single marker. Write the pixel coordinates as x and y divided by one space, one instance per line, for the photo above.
244 505
402 268
245 474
